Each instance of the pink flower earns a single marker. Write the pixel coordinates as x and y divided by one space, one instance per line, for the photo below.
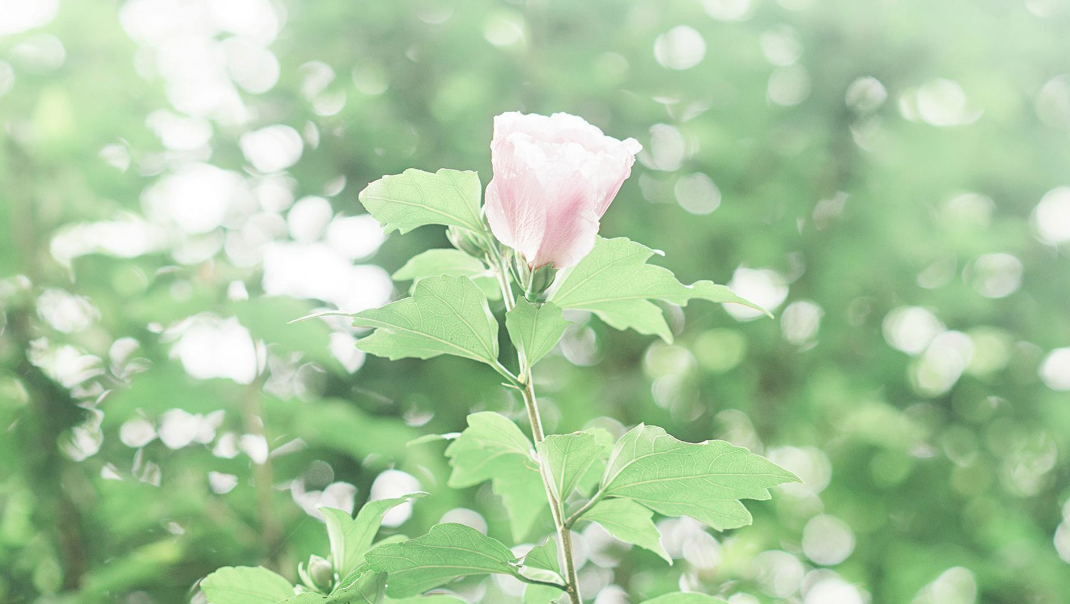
554 177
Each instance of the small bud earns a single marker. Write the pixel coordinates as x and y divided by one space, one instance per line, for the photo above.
541 279
318 575
534 282
466 241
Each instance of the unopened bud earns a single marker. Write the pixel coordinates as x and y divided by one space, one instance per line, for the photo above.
466 241
533 281
318 575
541 279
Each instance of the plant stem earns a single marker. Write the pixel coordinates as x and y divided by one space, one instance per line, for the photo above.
527 383
564 535
583 510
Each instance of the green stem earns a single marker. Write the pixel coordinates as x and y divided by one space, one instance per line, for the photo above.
583 510
564 535
526 381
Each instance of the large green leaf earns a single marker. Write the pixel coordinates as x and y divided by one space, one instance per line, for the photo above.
455 263
569 456
704 481
414 198
628 521
524 497
489 438
351 537
445 315
447 552
535 329
245 585
493 448
679 597
615 282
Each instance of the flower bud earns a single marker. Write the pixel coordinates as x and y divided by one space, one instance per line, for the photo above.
466 241
318 575
541 279
533 281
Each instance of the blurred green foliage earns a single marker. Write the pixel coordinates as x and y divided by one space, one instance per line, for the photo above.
877 165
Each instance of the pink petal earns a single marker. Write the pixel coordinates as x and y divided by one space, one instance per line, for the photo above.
554 177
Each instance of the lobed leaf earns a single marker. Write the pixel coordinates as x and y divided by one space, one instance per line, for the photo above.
493 448
615 282
569 457
245 585
535 330
351 537
416 198
704 481
630 522
447 552
445 315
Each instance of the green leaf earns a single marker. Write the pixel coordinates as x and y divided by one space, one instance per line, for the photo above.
540 564
679 597
429 599
543 556
628 521
489 438
447 552
541 594
493 448
524 497
366 588
396 538
415 198
615 282
434 263
445 315
455 263
306 598
592 478
569 456
245 585
352 537
704 481
535 329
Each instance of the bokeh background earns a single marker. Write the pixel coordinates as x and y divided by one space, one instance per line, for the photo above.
178 179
